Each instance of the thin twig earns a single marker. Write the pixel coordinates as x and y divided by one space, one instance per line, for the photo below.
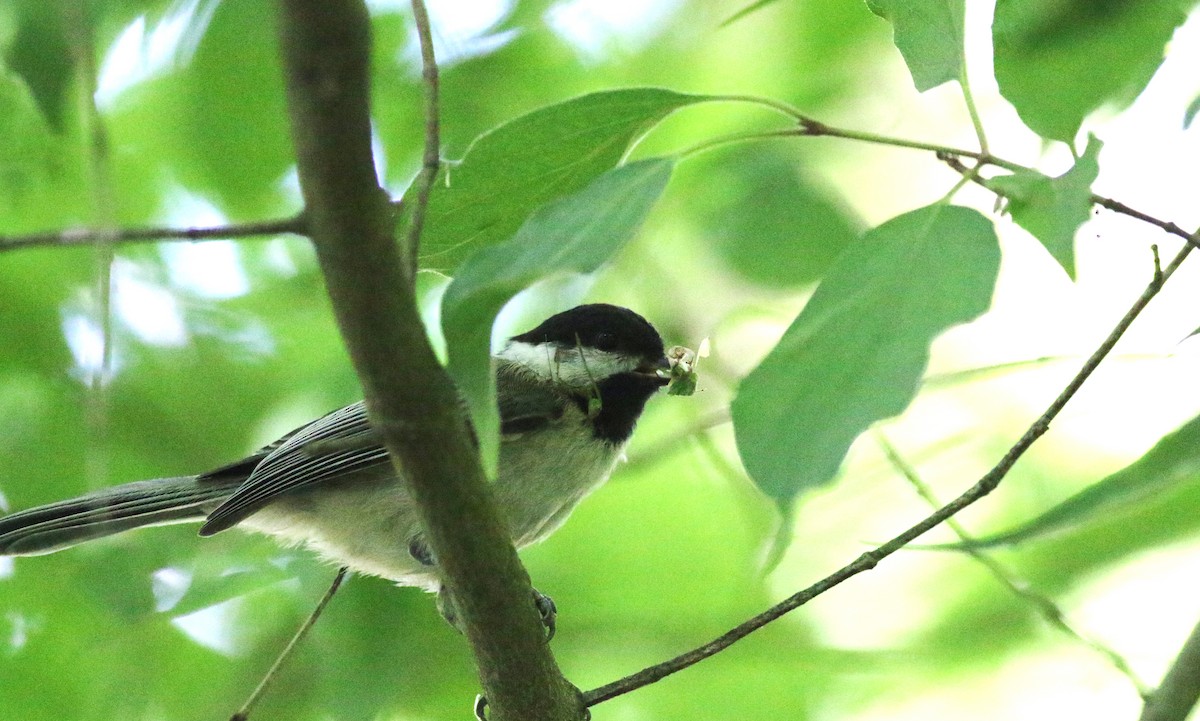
1043 605
1116 206
814 128
244 712
423 184
870 559
1119 207
431 158
90 236
1176 696
811 127
103 213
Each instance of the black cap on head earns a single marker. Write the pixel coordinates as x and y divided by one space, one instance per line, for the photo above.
599 325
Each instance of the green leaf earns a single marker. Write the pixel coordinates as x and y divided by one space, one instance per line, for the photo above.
1052 209
1173 461
929 34
574 234
1057 62
520 166
857 351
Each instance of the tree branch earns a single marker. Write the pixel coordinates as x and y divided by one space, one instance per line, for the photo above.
870 559
1177 694
410 398
89 236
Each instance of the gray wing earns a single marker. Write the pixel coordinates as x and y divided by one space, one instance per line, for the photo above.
343 442
330 447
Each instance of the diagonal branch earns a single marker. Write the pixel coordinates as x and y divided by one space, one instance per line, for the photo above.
410 398
870 559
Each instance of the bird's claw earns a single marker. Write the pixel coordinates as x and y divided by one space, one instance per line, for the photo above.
546 608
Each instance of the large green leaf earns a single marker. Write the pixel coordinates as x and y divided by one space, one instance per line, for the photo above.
1057 62
520 166
858 350
1052 209
575 234
929 34
1174 460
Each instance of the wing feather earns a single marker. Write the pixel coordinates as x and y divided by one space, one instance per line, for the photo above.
333 446
343 442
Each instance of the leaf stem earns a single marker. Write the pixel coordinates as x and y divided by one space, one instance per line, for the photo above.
972 111
962 182
778 105
733 138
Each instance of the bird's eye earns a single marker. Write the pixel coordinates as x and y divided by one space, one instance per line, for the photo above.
605 341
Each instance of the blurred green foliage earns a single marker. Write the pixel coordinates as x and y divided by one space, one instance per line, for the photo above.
218 348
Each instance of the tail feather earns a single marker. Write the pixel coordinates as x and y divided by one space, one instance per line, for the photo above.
60 525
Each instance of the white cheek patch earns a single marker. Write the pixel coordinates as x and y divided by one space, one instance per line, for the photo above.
566 365
537 358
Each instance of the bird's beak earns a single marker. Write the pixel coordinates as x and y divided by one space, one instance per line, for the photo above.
660 370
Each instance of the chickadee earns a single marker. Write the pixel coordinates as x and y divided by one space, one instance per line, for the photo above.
569 393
